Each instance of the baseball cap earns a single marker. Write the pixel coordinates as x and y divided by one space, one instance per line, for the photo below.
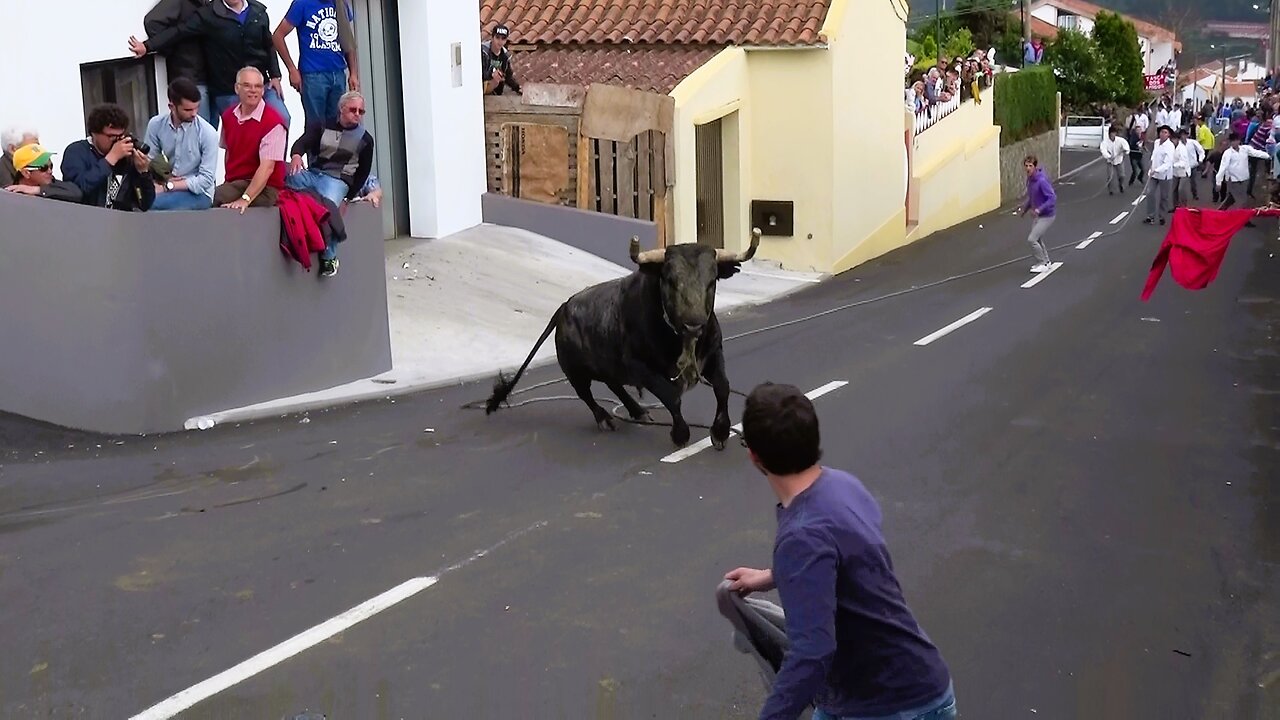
31 156
501 31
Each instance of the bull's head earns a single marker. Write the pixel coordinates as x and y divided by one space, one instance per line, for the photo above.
688 273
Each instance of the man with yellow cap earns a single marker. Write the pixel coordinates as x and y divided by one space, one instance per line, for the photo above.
34 167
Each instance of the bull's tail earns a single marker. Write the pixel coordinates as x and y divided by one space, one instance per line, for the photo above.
503 387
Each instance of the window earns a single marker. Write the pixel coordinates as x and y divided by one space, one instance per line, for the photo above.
129 83
1069 22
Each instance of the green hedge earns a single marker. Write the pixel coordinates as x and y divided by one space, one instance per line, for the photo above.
1025 103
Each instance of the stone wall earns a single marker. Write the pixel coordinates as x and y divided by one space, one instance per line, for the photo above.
1013 179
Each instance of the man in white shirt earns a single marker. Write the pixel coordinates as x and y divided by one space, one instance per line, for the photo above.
1161 173
1162 115
1233 173
1195 158
1115 150
1174 118
1181 170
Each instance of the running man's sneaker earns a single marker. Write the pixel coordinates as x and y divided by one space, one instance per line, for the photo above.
328 268
1040 268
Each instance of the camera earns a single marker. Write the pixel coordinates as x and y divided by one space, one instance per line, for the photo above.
138 144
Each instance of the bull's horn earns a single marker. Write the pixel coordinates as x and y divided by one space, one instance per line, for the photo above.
726 256
656 255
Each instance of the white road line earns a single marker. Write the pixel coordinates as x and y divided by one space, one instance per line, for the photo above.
781 277
705 443
1138 200
309 638
953 326
1041 276
1089 240
1120 217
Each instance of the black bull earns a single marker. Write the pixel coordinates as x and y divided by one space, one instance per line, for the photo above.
655 329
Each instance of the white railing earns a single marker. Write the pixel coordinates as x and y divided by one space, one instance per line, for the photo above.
931 115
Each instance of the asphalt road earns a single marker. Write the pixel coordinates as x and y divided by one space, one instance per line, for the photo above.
1080 493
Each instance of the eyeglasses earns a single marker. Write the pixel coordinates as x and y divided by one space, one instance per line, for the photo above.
42 168
355 111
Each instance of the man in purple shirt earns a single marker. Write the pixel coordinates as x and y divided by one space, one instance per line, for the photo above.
1041 201
856 651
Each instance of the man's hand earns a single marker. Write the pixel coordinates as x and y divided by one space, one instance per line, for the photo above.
1035 211
295 79
375 197
238 204
121 150
137 47
498 77
141 161
24 189
295 165
275 85
353 81
749 580
160 188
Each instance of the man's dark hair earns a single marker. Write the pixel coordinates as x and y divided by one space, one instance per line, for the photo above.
105 116
780 426
183 89
1031 159
1233 136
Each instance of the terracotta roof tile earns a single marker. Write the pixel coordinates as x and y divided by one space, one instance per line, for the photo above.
646 22
656 69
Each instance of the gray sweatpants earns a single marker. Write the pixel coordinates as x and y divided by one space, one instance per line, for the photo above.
1158 197
1115 174
1036 238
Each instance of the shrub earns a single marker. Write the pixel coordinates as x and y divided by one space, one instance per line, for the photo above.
1025 103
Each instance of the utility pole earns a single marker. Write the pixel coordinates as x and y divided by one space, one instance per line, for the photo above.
1021 50
937 25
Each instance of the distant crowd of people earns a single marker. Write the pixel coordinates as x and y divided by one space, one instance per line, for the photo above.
962 77
1169 146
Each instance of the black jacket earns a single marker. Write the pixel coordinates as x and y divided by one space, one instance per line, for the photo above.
502 61
84 166
61 190
186 57
8 175
228 45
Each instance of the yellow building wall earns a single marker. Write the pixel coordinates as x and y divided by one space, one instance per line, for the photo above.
717 90
955 169
867 42
791 143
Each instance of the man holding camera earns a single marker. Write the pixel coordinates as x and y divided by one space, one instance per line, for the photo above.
108 168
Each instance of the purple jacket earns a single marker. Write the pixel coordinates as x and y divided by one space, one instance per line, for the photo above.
1040 194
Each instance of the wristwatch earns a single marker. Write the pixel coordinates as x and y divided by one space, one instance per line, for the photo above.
245 197
169 185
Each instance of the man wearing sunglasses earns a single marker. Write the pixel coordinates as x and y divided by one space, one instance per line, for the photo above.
108 169
339 156
34 167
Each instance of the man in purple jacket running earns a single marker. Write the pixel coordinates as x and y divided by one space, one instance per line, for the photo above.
1040 201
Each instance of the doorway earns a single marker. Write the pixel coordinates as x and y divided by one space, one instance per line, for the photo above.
377 29
709 140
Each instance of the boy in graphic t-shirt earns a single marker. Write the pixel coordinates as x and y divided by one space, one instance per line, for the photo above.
324 71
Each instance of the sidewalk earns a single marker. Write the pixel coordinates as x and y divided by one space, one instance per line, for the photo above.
466 306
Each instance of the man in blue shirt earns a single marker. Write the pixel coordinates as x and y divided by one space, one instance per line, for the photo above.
184 151
324 70
855 650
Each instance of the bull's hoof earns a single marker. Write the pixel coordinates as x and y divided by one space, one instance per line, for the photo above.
718 443
680 435
643 416
607 424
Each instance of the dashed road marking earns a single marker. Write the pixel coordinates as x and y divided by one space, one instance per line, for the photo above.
1089 240
705 443
1041 276
1120 217
953 326
310 638
1138 201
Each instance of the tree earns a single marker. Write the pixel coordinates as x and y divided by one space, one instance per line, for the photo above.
1075 62
1120 59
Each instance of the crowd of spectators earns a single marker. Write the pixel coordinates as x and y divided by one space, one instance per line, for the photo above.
961 77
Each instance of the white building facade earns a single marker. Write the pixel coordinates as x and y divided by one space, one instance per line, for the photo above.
1158 46
419 71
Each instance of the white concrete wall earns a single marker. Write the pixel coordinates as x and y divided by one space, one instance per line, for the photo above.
444 128
1161 53
83 31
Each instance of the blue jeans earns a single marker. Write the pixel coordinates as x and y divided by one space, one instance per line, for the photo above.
944 709
222 102
181 200
208 110
328 186
320 94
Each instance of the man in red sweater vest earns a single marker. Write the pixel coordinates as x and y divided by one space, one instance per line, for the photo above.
254 136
